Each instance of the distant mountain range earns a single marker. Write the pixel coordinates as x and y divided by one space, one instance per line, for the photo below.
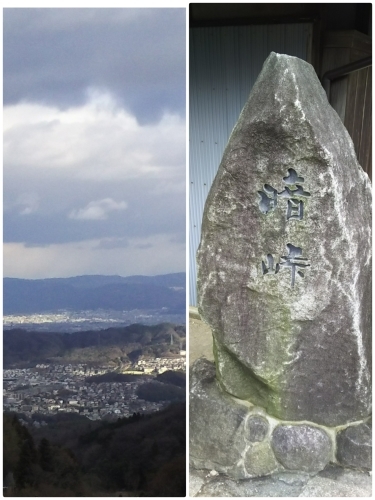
95 292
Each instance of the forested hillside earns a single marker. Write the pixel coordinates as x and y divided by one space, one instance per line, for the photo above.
143 455
114 345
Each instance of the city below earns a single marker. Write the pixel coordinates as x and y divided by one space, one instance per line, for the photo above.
98 386
49 389
72 321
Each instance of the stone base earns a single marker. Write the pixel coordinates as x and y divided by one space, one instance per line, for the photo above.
333 481
241 441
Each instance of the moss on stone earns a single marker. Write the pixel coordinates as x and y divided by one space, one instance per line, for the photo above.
263 387
240 381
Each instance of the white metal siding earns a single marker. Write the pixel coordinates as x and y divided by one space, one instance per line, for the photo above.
224 64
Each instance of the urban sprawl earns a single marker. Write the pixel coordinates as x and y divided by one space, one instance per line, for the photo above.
50 389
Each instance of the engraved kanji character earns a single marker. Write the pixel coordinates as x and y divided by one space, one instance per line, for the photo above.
295 209
293 260
292 177
266 202
289 193
270 269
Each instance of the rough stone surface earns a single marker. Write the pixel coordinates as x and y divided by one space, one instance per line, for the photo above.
289 188
338 482
354 446
219 430
332 482
257 428
196 481
260 487
302 447
216 423
260 460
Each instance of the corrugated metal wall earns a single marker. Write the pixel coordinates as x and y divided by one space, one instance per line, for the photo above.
224 64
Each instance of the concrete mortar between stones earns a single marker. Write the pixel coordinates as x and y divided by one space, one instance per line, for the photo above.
273 422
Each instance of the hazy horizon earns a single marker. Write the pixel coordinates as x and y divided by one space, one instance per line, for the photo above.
104 275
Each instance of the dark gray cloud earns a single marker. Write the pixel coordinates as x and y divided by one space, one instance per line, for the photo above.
94 141
53 56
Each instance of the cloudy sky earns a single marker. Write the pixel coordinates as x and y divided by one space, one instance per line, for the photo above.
94 141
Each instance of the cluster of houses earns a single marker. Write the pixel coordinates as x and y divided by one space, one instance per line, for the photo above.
50 389
160 365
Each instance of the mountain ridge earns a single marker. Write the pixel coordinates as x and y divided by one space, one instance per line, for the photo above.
23 347
92 292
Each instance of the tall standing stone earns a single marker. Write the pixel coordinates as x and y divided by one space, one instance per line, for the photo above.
284 264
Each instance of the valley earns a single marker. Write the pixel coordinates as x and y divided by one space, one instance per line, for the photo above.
94 372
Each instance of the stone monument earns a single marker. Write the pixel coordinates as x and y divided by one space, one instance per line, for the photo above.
284 281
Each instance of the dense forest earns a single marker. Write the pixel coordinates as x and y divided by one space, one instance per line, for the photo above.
155 392
167 386
114 345
142 455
